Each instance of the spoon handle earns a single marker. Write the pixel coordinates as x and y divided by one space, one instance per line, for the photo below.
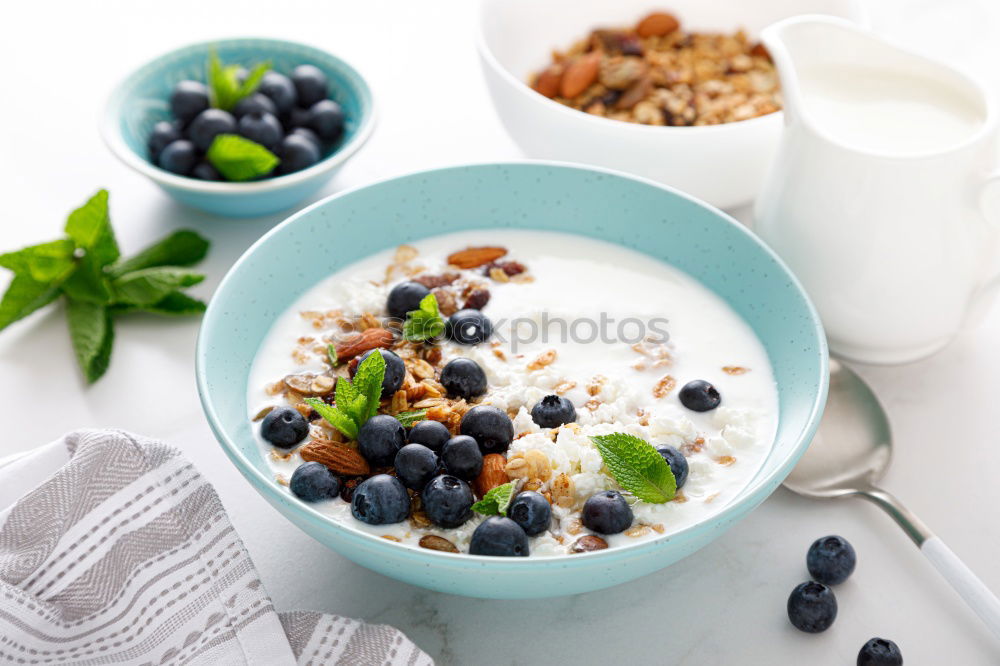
967 584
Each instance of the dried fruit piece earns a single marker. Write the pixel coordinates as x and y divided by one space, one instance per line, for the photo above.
635 94
434 542
368 339
492 474
473 257
580 74
588 543
657 24
478 299
434 281
620 72
340 458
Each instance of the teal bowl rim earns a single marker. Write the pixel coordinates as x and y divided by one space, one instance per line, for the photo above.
113 138
751 495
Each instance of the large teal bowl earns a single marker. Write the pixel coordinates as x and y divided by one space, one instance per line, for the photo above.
638 214
141 100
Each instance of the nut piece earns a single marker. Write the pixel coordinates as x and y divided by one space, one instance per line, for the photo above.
664 386
619 72
580 75
530 464
492 474
547 82
434 542
475 256
657 24
362 342
563 492
588 543
341 459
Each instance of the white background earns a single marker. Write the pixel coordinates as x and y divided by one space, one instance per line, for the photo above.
723 605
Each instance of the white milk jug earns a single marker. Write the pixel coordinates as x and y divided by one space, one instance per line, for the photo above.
878 197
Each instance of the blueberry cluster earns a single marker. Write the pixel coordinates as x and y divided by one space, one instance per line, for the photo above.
812 606
290 116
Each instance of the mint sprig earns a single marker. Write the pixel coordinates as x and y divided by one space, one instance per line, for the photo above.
224 85
240 159
354 401
424 323
85 270
496 501
637 467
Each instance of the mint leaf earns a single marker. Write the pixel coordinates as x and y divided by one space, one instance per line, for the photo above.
45 262
151 285
496 501
637 467
176 304
24 296
240 159
89 226
334 417
424 323
93 334
89 283
223 87
181 248
331 354
250 83
368 382
411 417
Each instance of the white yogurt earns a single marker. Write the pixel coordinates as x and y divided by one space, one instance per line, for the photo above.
576 280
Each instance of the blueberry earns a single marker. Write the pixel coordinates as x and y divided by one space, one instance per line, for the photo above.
553 411
880 652
380 438
431 434
297 117
307 133
462 458
326 118
447 501
607 512
699 396
831 560
310 84
279 89
380 500
490 426
499 536
262 128
163 133
296 153
395 370
209 124
284 427
678 463
255 103
405 297
462 377
313 481
531 511
416 465
812 607
188 99
205 171
469 327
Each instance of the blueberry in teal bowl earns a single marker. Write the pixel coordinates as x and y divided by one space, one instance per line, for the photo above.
535 235
240 127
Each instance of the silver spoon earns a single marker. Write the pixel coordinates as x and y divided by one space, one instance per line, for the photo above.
850 453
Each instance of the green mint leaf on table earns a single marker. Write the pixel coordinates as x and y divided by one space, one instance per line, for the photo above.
354 401
92 332
496 501
151 285
175 304
240 159
181 248
89 226
411 417
24 296
224 86
637 467
424 323
46 262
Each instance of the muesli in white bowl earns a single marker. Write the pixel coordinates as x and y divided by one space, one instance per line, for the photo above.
513 392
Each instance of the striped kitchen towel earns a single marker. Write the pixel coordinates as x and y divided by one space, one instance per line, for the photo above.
115 550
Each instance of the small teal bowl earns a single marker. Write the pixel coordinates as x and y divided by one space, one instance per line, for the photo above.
141 101
636 213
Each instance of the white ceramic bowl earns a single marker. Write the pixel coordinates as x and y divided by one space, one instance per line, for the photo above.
722 164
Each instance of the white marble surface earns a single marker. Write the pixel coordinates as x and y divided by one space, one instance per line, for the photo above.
723 605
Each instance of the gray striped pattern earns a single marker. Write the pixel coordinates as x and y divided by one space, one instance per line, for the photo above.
125 556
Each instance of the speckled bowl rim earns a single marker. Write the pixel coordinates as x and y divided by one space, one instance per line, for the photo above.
113 138
760 483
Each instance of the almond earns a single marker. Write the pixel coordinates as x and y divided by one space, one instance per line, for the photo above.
587 543
492 475
341 459
548 81
434 542
657 24
362 342
579 76
471 257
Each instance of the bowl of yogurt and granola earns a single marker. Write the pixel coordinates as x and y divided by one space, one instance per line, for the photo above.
512 380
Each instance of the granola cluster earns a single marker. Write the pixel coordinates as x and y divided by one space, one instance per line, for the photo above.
655 73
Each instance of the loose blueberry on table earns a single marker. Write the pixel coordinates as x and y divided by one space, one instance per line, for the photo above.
831 560
281 124
880 652
812 607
